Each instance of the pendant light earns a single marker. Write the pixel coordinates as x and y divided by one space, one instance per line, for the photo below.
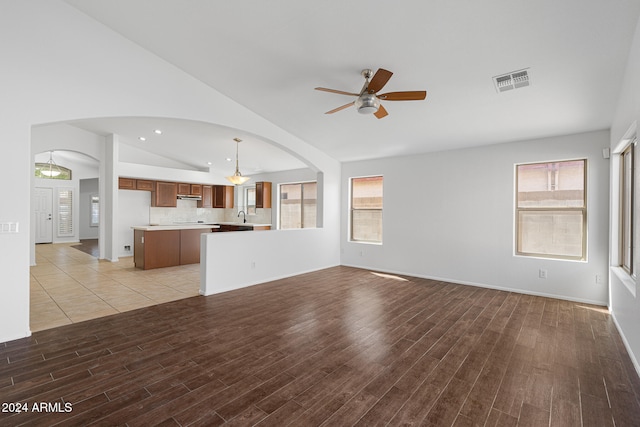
51 169
237 178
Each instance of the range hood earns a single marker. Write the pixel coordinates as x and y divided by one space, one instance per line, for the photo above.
188 197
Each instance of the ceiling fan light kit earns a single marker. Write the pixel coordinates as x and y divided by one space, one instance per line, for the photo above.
368 101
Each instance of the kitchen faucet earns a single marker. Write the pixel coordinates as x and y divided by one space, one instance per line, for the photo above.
244 216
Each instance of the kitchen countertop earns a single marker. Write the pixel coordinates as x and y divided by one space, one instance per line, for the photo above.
252 224
174 227
188 226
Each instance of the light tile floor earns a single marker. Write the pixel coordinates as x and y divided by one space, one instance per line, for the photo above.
69 286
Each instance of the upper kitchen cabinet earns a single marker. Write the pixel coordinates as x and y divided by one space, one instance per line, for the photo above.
184 189
165 195
126 183
196 190
263 194
223 196
207 197
144 184
135 184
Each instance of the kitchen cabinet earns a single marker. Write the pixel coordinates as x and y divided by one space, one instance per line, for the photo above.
126 183
263 194
167 248
207 197
165 195
135 184
196 190
156 249
190 245
223 196
144 184
184 189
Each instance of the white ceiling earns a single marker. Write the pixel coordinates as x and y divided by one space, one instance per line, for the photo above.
269 55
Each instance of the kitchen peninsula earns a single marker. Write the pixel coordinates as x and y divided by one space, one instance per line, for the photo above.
157 246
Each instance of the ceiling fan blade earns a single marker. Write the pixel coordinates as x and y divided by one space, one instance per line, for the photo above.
416 95
379 79
340 108
340 92
381 112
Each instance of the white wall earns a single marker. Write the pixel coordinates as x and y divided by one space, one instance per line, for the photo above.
450 216
133 209
624 301
237 260
60 65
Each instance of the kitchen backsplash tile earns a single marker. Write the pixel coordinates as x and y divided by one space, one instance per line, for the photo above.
188 211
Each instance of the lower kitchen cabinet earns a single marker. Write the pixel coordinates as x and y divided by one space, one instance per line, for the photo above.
190 245
156 249
166 248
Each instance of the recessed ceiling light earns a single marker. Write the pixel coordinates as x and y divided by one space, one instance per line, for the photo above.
209 163
157 132
142 138
228 159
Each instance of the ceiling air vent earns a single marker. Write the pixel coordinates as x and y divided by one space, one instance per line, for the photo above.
512 80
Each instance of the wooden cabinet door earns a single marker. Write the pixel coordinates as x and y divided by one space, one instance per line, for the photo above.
196 190
165 195
228 196
218 196
126 183
207 197
190 245
144 184
161 248
184 189
263 194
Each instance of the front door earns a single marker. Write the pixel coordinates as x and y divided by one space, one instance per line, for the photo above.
43 206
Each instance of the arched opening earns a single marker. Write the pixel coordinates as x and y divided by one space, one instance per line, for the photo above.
148 149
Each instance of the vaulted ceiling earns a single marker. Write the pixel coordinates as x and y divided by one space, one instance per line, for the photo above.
270 55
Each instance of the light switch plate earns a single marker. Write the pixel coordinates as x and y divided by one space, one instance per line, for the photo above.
9 227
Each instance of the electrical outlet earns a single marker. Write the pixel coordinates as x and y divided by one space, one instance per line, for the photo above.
127 248
599 279
253 264
542 274
361 253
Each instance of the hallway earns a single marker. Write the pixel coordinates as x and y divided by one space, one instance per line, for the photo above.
69 286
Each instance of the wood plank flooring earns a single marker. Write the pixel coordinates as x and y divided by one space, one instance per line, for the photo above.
337 347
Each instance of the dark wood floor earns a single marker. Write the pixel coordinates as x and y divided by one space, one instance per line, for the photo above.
88 246
337 347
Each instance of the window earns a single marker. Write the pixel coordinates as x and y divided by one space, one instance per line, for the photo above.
250 200
627 206
46 171
65 212
551 210
95 210
298 205
366 209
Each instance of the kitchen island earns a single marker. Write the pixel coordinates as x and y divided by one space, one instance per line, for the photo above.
157 246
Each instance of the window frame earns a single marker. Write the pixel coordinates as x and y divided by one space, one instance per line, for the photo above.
250 209
352 209
568 209
626 229
302 204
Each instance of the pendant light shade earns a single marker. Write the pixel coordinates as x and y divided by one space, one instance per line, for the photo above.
237 178
51 169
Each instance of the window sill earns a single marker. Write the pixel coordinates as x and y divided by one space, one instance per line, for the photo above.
366 243
628 281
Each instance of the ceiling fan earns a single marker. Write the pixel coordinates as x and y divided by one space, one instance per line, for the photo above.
368 101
